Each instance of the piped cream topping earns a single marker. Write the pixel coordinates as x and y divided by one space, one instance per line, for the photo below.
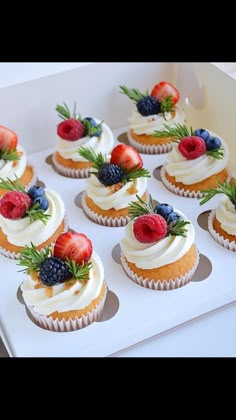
13 168
226 215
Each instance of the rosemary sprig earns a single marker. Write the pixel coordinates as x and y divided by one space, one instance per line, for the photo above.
223 188
90 129
64 112
178 228
134 94
35 213
32 259
10 185
140 207
216 153
178 131
13 154
79 271
167 105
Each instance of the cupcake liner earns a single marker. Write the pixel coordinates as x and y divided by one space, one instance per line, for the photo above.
150 149
70 172
181 191
102 220
15 255
160 284
48 323
226 243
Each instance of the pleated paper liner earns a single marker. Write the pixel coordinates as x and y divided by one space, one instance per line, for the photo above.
231 245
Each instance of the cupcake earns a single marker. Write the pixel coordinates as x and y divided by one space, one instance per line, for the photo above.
197 159
13 160
74 132
158 250
152 113
112 185
222 220
37 214
64 289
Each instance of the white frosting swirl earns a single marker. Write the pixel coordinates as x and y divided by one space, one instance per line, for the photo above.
63 299
103 144
157 254
13 168
21 232
226 215
104 198
196 170
147 125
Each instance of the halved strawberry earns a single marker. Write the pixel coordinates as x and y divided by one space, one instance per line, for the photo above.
75 246
163 89
8 139
126 157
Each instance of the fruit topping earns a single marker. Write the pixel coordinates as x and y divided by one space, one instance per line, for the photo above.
163 209
8 139
192 147
110 174
14 204
164 89
36 191
53 270
71 129
201 132
213 143
150 228
42 202
75 246
148 105
126 157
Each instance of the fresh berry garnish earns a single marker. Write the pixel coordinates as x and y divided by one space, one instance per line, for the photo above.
213 143
53 270
200 132
192 147
172 218
75 246
164 89
150 228
91 121
126 157
36 191
42 201
148 105
92 128
110 174
71 129
13 205
8 139
163 209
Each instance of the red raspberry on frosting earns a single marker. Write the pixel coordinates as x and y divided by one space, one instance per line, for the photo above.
71 129
150 228
13 205
192 147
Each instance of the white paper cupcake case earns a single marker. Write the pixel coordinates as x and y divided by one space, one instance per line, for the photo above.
70 172
158 284
218 238
102 220
51 324
16 255
152 149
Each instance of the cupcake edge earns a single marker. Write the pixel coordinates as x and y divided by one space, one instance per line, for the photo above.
70 172
151 149
231 245
160 284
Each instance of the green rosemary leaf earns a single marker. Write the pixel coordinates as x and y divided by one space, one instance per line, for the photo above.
178 131
140 207
10 185
223 188
32 259
134 94
79 271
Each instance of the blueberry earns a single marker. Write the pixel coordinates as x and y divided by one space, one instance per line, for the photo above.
42 201
163 209
91 120
172 217
36 191
200 132
213 143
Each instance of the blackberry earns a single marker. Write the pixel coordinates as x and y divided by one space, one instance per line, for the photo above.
200 132
110 174
54 270
42 201
163 209
148 105
36 191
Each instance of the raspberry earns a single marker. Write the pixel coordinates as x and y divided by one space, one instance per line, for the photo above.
150 228
192 147
71 129
13 205
110 174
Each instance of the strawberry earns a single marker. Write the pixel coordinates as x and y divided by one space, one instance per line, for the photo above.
75 246
150 228
8 139
13 205
164 89
126 157
192 147
71 129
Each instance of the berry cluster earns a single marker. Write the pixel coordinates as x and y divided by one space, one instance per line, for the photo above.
162 99
74 127
68 261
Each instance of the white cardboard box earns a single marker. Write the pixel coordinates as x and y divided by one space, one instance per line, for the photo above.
28 108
